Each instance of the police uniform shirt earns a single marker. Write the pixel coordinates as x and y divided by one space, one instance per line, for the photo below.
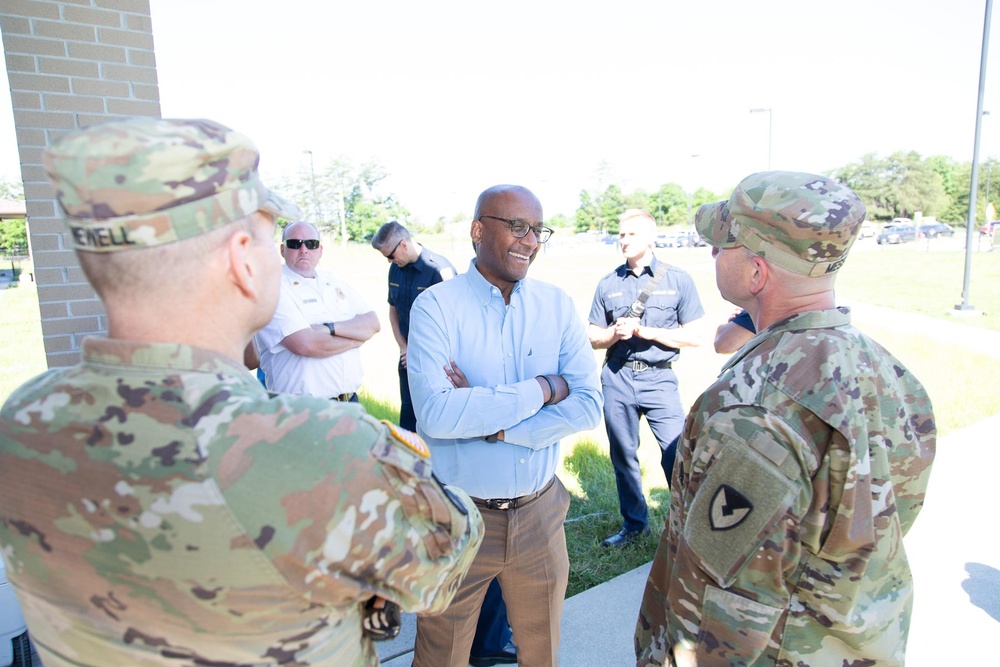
406 283
674 302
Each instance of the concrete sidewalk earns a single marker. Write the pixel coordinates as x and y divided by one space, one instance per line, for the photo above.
953 548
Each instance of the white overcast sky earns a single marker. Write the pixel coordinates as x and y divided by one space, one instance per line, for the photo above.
452 97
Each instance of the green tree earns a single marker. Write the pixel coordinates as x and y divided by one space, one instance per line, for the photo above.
14 231
348 194
587 213
897 186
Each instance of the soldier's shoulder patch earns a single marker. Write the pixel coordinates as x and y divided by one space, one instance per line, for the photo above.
409 439
729 508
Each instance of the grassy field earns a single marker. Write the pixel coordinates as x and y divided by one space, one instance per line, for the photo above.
921 278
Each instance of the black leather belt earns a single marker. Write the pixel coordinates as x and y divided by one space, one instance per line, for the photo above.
640 366
505 504
344 398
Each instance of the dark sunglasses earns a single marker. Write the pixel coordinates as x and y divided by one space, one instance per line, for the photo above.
392 255
295 244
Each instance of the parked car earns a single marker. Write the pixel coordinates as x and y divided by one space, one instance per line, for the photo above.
989 228
936 229
666 240
868 229
15 648
897 234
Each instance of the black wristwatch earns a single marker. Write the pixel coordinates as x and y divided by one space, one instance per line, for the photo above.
331 327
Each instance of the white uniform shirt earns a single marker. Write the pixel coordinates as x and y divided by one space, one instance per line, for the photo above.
302 303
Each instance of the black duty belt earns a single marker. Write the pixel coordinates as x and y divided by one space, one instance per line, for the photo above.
505 504
640 366
344 398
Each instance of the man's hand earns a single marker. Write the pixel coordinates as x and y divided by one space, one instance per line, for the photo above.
381 619
626 327
455 375
402 356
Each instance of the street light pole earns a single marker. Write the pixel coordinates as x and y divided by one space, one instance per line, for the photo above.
691 195
770 127
973 187
312 178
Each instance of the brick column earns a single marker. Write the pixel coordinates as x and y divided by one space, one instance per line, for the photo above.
70 63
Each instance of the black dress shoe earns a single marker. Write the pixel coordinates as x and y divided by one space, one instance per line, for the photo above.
508 656
623 538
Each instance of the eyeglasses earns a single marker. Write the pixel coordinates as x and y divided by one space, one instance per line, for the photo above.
520 228
295 244
392 255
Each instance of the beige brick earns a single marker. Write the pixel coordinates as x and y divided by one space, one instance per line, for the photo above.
38 82
144 92
17 63
70 31
69 67
128 38
60 344
97 17
50 229
125 5
21 100
32 170
129 73
53 309
62 360
41 9
75 274
44 119
89 307
83 120
71 325
99 87
139 21
42 208
47 293
52 258
34 46
56 102
141 58
15 25
50 276
99 52
134 108
30 137
38 191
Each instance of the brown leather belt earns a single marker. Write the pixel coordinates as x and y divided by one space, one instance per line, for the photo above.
505 504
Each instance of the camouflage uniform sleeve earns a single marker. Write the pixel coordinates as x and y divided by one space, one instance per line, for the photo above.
346 507
742 494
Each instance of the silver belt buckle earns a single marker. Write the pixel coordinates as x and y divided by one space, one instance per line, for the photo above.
639 366
503 504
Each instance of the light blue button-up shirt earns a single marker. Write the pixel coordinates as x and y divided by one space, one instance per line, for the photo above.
501 349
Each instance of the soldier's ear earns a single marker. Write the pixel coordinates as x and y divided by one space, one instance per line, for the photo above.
759 273
239 251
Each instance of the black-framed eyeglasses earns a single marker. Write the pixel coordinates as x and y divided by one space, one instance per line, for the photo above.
520 228
295 244
392 255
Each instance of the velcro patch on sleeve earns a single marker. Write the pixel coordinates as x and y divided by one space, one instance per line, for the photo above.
411 440
738 505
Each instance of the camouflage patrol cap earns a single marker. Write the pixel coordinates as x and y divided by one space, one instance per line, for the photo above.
804 223
144 182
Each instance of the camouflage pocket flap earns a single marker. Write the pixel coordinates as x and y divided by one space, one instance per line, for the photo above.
739 503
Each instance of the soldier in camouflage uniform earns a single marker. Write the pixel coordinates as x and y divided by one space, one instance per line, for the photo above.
157 506
801 469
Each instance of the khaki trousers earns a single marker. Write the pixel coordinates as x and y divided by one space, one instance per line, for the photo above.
526 549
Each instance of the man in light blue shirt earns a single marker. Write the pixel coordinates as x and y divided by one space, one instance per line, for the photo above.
500 369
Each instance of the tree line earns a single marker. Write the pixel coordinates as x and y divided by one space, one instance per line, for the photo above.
343 197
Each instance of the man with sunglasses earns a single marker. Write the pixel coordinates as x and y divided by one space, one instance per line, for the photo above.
500 370
413 268
311 345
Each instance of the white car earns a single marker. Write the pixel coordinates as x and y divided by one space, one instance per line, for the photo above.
15 649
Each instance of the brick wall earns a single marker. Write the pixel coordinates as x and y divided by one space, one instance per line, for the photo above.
70 63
